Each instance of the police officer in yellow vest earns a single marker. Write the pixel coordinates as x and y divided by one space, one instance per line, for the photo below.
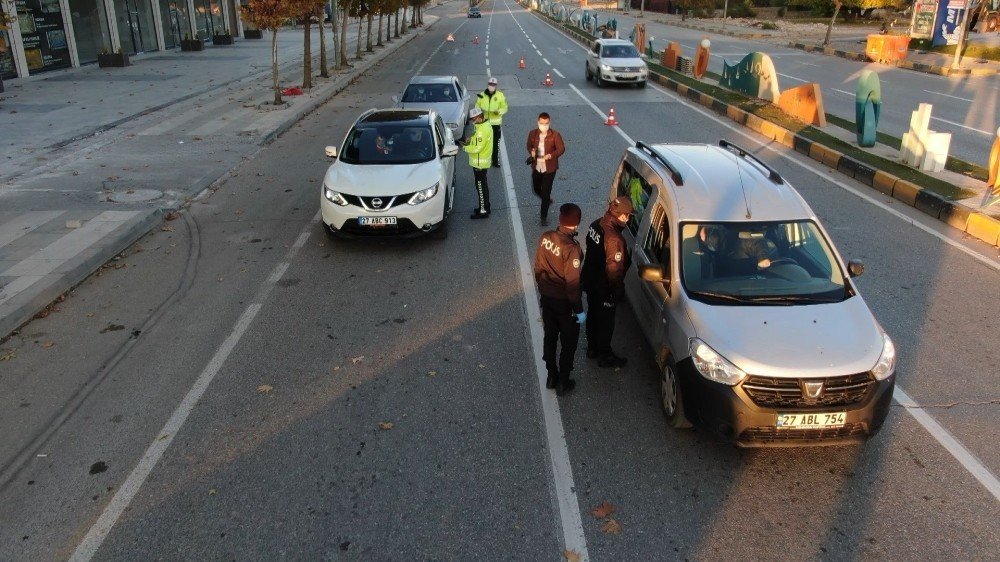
480 149
494 105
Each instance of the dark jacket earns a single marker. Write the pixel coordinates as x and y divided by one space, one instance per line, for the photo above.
607 258
557 267
553 145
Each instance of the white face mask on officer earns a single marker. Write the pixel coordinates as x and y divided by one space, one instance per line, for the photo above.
491 88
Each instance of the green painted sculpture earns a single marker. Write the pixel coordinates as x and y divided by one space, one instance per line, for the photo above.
867 107
754 76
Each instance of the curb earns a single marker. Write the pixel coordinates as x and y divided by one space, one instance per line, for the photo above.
905 64
705 28
25 306
980 226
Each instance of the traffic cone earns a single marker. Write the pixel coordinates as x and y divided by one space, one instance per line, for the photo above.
548 80
475 40
521 64
450 37
611 118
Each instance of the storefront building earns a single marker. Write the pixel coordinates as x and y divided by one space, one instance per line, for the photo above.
47 35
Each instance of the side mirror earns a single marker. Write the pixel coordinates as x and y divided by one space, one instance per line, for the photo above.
855 268
331 151
449 150
653 274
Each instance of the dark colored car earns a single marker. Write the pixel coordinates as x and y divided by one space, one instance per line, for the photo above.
474 12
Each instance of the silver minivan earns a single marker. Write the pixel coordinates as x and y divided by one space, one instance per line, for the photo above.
756 324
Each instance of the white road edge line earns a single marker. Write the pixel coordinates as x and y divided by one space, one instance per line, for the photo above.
546 61
843 92
987 133
555 434
790 77
948 96
939 433
94 538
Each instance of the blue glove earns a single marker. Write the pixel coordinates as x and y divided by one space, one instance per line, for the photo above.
581 317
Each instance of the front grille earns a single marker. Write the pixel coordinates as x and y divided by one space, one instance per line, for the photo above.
626 68
772 392
368 201
768 433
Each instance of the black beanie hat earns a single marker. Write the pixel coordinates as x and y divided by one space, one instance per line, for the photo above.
569 215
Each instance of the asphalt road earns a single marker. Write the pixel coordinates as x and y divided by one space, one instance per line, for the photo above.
225 389
967 108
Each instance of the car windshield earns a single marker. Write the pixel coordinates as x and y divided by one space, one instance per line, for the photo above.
381 143
430 93
768 263
619 52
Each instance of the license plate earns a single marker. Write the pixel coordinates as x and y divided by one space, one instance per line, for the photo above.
376 221
811 421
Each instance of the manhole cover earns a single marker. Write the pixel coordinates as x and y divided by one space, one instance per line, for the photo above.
135 195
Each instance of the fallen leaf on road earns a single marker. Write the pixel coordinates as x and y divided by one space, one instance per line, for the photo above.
385 426
603 510
212 491
432 373
239 211
48 344
166 228
571 556
7 355
90 315
171 216
336 368
611 527
358 359
265 388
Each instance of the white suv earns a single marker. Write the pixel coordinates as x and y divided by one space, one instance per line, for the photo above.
394 175
615 61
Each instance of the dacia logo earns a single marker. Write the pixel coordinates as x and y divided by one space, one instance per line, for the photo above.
551 247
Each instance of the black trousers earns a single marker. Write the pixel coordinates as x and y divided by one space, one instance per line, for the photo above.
600 322
482 189
542 185
496 145
560 326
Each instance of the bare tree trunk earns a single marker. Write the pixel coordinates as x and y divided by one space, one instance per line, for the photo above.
368 36
379 43
335 29
323 70
307 80
357 52
343 35
274 67
397 23
829 29
420 15
413 17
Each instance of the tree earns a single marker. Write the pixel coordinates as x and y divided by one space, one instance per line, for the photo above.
829 28
269 15
305 10
321 14
346 4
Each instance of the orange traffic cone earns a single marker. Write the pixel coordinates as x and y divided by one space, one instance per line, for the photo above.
521 64
548 80
450 37
611 118
475 40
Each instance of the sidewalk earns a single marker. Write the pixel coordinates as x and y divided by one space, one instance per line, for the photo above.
94 157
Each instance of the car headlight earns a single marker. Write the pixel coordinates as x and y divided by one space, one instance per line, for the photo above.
606 67
886 364
334 197
713 366
425 195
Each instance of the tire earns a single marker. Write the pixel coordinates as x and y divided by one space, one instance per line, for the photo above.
586 71
641 84
671 398
597 80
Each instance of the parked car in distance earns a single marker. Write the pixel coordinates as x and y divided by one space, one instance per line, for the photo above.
444 95
393 175
759 330
615 61
474 12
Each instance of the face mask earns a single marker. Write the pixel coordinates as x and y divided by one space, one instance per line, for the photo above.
491 88
543 128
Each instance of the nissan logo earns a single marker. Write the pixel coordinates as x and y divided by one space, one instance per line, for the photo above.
376 202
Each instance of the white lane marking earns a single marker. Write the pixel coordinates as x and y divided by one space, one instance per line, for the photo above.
546 61
948 441
843 92
987 133
559 74
900 395
487 53
790 77
438 48
604 117
23 224
537 51
487 62
95 537
808 64
948 96
555 434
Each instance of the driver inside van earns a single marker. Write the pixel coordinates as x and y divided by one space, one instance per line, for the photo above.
757 248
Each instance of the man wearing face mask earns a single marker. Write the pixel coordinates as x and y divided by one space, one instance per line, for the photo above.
557 273
603 276
494 105
545 146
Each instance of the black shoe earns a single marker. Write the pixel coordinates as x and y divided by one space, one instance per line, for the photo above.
480 215
544 221
611 361
563 389
592 354
550 381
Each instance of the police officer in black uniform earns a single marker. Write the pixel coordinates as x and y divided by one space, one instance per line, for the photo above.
557 273
603 277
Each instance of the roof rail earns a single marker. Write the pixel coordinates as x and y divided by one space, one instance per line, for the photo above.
366 114
674 174
772 174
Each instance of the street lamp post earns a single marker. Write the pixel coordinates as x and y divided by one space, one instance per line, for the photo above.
956 62
642 8
725 10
